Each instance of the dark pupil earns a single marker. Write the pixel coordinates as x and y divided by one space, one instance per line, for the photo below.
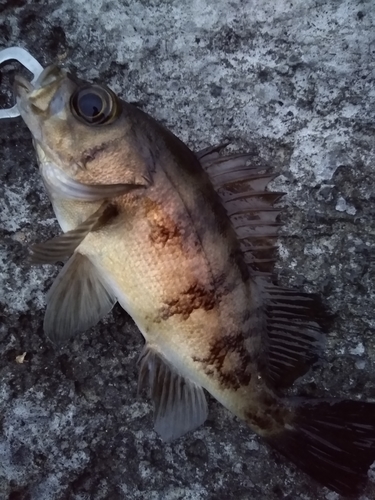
90 105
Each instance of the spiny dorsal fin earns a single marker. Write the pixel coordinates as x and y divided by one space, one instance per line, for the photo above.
179 405
206 155
242 189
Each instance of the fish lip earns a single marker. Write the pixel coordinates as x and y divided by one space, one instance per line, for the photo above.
22 86
25 90
50 75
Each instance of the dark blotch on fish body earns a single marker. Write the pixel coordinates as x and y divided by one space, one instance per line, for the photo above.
229 360
195 297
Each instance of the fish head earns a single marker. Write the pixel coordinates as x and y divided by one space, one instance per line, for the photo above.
44 105
76 125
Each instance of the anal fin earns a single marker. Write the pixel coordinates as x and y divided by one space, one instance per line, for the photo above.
77 300
179 405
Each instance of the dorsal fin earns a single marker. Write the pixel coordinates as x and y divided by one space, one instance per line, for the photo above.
242 189
292 322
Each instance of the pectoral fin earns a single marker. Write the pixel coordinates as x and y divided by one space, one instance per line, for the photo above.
60 184
179 405
62 247
77 300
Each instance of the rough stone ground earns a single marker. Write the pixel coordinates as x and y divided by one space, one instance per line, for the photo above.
291 81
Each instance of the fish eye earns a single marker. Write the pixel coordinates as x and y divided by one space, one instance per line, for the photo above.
94 105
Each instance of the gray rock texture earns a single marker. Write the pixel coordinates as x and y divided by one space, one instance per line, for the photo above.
291 81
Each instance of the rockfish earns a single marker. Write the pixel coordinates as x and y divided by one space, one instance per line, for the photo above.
185 242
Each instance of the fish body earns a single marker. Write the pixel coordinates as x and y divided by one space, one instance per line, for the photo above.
185 244
184 282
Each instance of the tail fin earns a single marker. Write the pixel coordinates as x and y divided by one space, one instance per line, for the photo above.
332 441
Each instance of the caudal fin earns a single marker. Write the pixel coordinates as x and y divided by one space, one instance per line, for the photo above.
334 442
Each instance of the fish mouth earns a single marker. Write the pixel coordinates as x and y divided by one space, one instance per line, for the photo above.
22 90
39 94
22 87
49 76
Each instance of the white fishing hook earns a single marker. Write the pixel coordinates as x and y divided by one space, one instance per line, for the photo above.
29 62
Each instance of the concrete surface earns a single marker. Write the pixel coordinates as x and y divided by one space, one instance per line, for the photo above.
291 81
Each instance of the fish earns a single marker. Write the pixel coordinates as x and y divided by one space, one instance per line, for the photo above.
186 243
